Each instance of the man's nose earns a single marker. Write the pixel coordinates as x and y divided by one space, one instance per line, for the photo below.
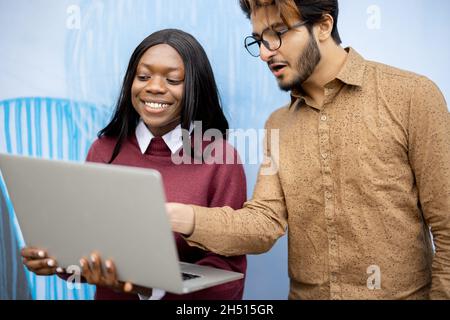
266 54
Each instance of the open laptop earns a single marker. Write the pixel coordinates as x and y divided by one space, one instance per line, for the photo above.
72 209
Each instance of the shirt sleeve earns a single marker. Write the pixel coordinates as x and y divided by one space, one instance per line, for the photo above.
429 156
228 187
254 228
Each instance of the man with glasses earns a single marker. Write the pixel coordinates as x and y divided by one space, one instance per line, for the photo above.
363 168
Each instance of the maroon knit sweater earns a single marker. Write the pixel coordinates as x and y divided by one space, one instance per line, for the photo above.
208 185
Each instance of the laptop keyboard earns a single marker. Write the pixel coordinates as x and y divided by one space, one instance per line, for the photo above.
189 276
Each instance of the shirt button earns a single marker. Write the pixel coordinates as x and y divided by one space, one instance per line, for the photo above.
324 155
324 118
328 195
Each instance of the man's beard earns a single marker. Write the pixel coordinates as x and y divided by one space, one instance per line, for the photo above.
307 63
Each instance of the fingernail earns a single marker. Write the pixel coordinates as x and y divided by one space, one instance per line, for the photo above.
128 287
51 263
59 270
93 258
82 263
108 264
41 254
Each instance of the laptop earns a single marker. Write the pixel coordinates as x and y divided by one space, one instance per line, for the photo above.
73 209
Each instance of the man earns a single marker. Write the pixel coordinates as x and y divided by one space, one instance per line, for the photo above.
364 168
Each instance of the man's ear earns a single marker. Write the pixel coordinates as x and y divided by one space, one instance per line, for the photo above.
325 27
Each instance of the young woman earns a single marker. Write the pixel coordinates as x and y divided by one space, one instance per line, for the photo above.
169 85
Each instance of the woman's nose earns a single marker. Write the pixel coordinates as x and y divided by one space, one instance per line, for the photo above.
155 85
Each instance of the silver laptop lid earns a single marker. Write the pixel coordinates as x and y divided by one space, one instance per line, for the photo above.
72 209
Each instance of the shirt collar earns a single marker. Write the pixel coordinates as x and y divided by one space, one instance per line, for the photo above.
173 139
351 73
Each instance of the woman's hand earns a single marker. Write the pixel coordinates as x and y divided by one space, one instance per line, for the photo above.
105 275
100 275
38 261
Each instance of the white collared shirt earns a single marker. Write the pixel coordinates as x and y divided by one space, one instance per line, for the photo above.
173 139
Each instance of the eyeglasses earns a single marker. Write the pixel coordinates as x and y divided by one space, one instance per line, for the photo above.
270 38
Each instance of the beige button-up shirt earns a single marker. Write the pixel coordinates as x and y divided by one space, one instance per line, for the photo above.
361 181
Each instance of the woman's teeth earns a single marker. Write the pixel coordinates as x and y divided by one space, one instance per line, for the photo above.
156 106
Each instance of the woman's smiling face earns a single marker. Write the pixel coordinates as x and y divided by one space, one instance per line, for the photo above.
157 90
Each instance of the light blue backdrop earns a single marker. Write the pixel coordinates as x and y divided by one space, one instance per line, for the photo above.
62 62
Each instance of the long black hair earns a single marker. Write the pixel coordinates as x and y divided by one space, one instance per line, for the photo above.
200 101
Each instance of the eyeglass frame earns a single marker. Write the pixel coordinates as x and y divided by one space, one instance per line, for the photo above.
278 33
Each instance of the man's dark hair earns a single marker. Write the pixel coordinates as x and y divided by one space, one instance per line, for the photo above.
200 100
306 10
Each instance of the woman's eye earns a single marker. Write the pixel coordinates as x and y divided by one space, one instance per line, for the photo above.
174 82
143 78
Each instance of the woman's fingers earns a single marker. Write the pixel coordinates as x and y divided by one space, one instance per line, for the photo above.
128 287
33 253
60 270
42 266
86 270
96 267
37 260
103 275
93 271
111 274
41 263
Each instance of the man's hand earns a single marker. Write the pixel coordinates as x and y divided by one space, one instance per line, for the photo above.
182 218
